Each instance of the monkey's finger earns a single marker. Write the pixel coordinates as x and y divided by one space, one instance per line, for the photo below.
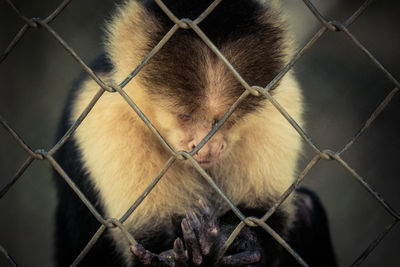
240 259
194 222
191 242
180 257
207 217
148 258
209 231
201 231
204 209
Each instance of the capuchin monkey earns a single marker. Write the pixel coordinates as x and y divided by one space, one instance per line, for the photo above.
184 90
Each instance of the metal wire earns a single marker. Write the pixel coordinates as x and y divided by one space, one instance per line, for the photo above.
374 244
8 257
260 90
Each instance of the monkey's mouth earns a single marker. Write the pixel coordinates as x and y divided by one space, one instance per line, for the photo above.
205 163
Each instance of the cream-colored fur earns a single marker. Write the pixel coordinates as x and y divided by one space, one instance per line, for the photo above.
123 157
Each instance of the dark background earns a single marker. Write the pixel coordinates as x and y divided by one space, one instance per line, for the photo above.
341 85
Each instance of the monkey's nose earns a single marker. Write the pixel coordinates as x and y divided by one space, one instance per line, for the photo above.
191 146
217 149
202 154
210 151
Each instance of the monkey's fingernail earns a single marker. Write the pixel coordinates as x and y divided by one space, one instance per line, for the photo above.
194 217
178 244
202 202
185 225
203 206
189 215
138 249
214 232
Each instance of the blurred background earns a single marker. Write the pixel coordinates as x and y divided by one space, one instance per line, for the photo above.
341 86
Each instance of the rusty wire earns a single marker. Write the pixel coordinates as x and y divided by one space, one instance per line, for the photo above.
260 90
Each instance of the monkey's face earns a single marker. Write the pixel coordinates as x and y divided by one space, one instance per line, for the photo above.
184 131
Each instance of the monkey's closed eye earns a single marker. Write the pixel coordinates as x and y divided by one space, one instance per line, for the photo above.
184 118
230 123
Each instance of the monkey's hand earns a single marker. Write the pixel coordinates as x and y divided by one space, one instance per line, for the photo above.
176 257
203 236
245 250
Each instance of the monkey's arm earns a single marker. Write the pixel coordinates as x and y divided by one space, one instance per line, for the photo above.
203 236
308 235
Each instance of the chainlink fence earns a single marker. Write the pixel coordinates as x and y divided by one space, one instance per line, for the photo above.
320 154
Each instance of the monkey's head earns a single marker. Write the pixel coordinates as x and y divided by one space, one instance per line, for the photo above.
185 88
185 124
